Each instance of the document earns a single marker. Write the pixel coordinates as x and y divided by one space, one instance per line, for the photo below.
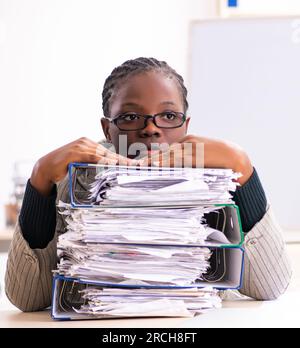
163 226
109 302
125 186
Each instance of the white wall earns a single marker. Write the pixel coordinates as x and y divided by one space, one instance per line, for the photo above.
55 56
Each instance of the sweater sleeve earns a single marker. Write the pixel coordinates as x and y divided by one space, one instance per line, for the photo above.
38 217
252 202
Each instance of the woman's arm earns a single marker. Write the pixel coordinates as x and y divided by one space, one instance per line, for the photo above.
267 268
267 271
32 253
28 278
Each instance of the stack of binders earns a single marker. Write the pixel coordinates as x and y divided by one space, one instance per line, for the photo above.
146 242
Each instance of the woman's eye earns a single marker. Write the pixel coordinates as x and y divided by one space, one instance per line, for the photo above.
169 116
130 117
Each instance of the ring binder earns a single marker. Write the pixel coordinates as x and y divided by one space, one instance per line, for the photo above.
226 261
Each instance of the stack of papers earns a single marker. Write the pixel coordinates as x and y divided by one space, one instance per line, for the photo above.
122 264
162 226
125 186
109 302
147 228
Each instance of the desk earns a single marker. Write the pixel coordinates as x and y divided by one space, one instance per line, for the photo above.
239 313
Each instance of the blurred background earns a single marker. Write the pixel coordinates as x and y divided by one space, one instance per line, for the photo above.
56 54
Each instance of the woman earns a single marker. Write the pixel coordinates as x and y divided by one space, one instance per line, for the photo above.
145 101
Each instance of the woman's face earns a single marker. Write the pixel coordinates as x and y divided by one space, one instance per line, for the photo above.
147 93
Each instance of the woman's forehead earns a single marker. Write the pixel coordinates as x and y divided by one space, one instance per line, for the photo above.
147 88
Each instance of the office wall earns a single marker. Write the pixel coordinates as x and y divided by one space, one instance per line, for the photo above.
55 56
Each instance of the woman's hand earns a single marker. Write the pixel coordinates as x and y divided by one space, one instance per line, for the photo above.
53 167
194 151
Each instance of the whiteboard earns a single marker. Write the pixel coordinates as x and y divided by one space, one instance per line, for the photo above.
244 86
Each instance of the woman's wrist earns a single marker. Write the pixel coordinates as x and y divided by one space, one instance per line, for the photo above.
242 164
232 156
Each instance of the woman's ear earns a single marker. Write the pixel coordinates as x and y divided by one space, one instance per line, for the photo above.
187 122
105 123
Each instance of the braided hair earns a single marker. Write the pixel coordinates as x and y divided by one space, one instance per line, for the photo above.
136 66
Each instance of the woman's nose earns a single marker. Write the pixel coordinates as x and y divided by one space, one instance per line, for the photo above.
150 130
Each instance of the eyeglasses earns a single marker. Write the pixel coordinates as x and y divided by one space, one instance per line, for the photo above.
134 122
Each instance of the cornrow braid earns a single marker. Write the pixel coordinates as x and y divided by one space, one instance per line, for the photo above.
136 66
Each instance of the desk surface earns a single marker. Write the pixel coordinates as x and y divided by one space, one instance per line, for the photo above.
283 312
239 313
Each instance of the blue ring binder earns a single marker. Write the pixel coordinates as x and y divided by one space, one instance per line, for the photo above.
226 273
